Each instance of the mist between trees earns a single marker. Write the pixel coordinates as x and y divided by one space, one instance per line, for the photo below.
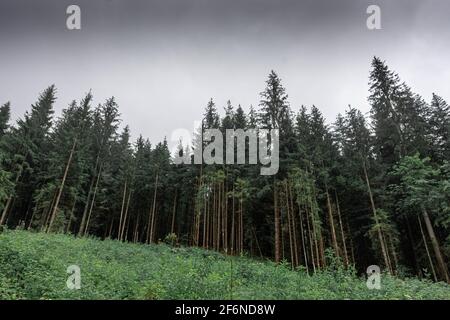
373 189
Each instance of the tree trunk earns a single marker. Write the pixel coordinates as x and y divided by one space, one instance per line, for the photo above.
172 225
88 199
374 211
241 224
277 224
123 234
10 199
294 226
86 230
152 219
305 253
436 248
330 217
61 187
124 197
427 250
344 246
232 225
71 215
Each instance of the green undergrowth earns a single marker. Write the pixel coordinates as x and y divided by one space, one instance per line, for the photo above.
34 266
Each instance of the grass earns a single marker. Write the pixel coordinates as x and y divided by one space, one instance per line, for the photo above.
34 266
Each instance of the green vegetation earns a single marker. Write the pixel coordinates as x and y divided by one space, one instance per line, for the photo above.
372 188
33 266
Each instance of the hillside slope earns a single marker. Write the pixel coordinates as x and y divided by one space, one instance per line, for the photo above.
34 266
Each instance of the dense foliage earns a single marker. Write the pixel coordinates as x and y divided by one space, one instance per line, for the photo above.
372 189
33 266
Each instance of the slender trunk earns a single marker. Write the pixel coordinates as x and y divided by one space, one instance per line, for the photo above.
111 228
257 242
232 225
352 248
344 246
71 216
225 221
412 247
290 231
5 210
152 220
333 230
10 199
294 226
86 230
427 250
305 253
277 224
394 254
174 208
46 216
88 199
123 234
241 223
61 187
219 217
374 211
124 197
436 248
136 228
311 243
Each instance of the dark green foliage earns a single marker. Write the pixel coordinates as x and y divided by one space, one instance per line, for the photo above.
350 191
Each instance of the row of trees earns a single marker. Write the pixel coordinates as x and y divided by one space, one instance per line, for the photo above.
374 190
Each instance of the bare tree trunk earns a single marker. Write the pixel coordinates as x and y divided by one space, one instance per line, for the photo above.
352 250
310 238
136 228
277 224
294 226
241 224
88 199
427 250
374 211
46 216
290 231
71 215
152 220
5 210
10 199
124 197
174 208
232 226
342 231
111 228
330 217
61 187
302 232
225 221
436 248
123 234
86 230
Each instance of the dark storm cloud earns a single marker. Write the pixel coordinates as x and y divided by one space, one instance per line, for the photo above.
163 59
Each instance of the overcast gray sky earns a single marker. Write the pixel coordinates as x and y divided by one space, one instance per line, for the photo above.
164 59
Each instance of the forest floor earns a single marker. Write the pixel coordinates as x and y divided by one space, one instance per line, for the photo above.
35 266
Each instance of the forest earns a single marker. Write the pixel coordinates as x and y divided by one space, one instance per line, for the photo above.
366 189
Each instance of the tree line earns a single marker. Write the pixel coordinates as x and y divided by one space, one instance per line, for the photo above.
364 190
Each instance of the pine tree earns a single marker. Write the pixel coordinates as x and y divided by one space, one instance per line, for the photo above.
439 128
5 113
26 149
419 194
